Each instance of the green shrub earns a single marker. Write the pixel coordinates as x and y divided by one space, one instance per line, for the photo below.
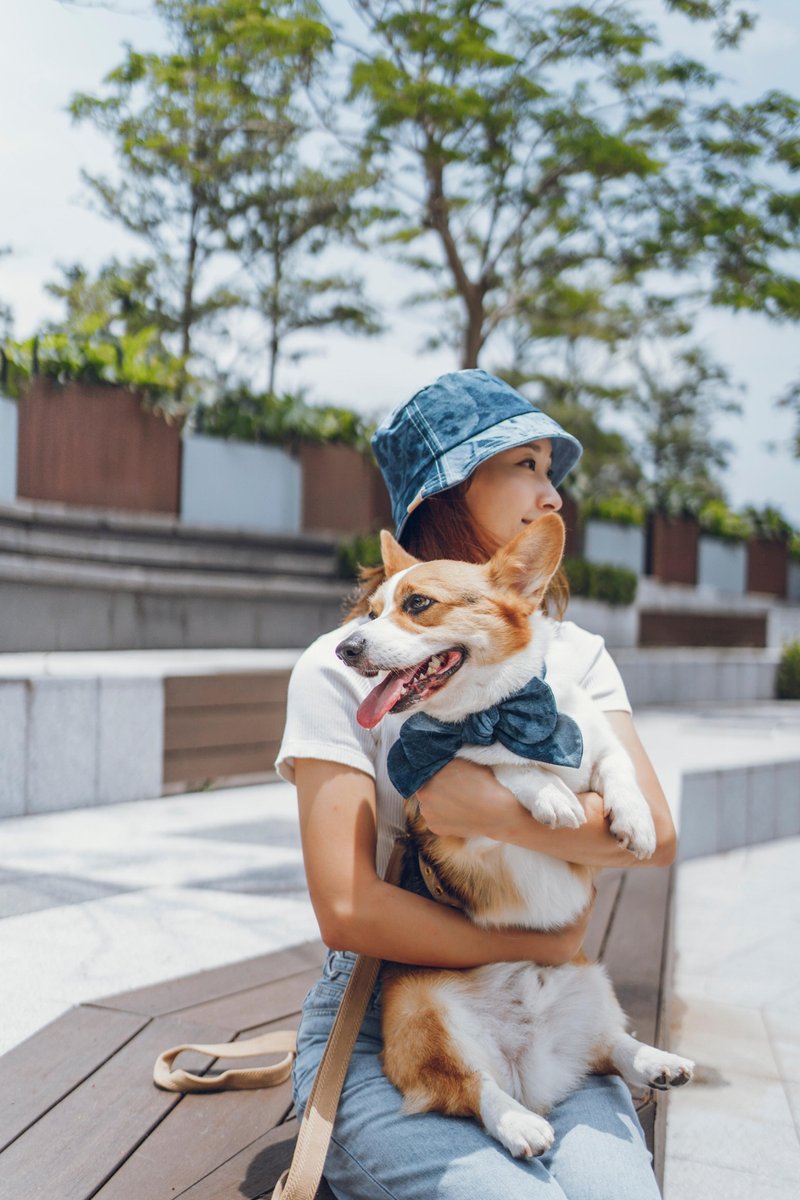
788 682
600 581
135 360
794 547
769 524
363 550
248 416
622 510
717 520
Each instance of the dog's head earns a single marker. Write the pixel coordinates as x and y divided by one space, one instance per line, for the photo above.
431 621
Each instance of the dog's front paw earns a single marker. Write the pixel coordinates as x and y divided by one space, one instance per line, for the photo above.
524 1134
555 805
631 823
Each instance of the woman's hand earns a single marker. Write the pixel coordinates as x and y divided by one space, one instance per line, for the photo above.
465 800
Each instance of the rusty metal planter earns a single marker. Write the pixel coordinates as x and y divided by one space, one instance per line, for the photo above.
94 445
672 548
767 567
343 492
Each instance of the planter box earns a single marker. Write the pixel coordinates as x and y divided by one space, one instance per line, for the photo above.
573 546
793 582
240 486
722 564
616 545
94 445
672 549
8 451
343 492
767 567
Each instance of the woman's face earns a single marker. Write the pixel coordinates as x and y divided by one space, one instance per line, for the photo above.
512 489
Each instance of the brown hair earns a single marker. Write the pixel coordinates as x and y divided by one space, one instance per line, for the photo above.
442 527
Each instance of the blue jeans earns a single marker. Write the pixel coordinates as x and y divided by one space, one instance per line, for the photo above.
378 1151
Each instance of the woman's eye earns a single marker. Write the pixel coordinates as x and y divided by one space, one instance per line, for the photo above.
417 603
529 462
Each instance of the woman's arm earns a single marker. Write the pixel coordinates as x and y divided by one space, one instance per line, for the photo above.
357 911
465 800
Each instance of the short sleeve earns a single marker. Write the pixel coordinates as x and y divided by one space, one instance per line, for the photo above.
604 683
321 713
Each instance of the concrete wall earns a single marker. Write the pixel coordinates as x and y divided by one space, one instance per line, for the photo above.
618 545
739 806
699 675
8 451
71 742
240 486
722 565
793 589
618 625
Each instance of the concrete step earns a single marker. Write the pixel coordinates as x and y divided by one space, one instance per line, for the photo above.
64 534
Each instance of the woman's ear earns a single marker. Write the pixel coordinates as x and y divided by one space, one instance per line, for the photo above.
528 563
395 558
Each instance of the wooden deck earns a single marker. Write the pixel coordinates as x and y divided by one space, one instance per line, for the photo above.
80 1116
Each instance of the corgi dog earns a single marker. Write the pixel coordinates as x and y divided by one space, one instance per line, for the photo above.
502 1043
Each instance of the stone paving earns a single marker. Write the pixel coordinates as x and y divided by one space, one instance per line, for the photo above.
97 900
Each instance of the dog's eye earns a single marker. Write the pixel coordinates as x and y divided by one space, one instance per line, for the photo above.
417 603
373 616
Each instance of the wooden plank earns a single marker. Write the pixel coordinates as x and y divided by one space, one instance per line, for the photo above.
75 1147
177 994
634 948
660 627
608 885
253 1171
241 687
223 727
245 1011
199 1134
35 1075
196 766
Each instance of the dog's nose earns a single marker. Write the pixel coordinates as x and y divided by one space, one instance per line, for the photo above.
351 649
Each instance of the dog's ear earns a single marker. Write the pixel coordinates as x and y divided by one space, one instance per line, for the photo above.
395 558
529 562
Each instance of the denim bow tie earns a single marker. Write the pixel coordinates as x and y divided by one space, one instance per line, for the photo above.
527 723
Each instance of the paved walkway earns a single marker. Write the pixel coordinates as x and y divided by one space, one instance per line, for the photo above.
99 900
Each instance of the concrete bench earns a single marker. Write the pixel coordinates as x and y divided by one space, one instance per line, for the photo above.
81 1117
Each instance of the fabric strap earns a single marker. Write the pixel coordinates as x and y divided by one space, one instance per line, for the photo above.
301 1180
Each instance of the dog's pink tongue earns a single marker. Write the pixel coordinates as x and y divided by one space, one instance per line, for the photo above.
383 697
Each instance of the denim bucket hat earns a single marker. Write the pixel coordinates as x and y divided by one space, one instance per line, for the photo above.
438 437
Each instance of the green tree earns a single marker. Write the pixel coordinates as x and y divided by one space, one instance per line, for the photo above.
675 402
194 130
534 149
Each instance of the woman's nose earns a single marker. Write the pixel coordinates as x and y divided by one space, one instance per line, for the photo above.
550 500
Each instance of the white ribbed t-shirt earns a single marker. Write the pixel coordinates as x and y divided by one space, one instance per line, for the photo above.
324 695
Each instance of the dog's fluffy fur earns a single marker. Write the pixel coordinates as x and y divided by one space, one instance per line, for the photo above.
504 1042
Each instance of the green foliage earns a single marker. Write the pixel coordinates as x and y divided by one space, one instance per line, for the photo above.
204 135
788 679
769 524
281 420
600 581
794 547
503 131
622 510
717 520
136 361
364 550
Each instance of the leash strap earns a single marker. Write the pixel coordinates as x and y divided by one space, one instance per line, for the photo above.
301 1180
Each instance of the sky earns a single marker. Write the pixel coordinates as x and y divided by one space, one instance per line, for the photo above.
53 49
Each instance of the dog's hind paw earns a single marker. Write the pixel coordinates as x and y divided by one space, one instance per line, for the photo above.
524 1134
661 1070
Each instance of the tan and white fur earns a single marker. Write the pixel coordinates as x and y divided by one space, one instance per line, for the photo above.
504 1042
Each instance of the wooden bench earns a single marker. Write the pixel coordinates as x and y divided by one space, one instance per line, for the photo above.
80 1117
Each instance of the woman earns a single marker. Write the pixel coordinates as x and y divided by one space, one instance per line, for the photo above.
468 462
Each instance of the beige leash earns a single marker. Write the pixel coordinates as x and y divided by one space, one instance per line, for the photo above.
301 1180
